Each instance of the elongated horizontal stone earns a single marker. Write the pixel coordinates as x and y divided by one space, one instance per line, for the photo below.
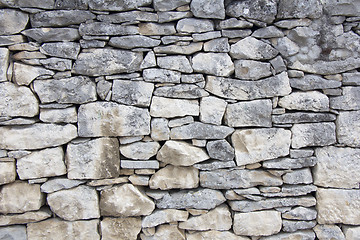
60 18
251 70
60 183
313 134
177 63
140 150
303 117
131 16
24 218
251 48
117 6
61 49
325 68
149 29
312 82
59 64
118 228
119 119
169 108
36 136
24 74
100 62
52 34
161 75
290 163
219 64
159 217
232 178
148 164
194 25
198 130
104 28
214 235
305 101
208 9
176 49
133 41
302 234
262 10
186 91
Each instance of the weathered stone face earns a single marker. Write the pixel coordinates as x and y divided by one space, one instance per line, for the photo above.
164 216
12 21
169 108
313 134
348 128
25 74
120 228
60 18
219 64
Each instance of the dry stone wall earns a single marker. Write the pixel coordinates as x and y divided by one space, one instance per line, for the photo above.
179 119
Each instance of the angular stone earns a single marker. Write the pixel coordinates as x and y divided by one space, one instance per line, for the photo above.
262 10
131 16
176 49
351 79
136 93
337 167
293 23
194 25
7 170
59 64
221 150
164 5
44 163
348 128
11 201
251 113
66 115
175 39
197 37
79 90
100 62
56 184
17 101
218 64
180 153
104 28
159 217
196 199
290 163
16 232
177 63
285 46
251 48
121 120
165 232
293 226
214 235
216 219
36 136
11 40
255 145
120 228
52 34
133 41
212 110
140 150
337 206
268 32
313 134
169 108
149 29
159 129
149 61
299 9
308 101
187 91
12 21
248 90
171 177
303 117
302 176
233 23
25 74
198 130
300 213
301 235
312 82
60 18
251 70
117 6
208 9
237 178
61 49
147 164
350 99
329 232
161 75
351 233
24 218
214 164
55 228
192 78
278 64
4 64
217 45
124 201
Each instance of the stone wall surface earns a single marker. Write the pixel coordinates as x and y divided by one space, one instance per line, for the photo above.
180 119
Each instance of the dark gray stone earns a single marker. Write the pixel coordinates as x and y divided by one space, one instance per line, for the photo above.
137 93
115 5
313 134
208 8
134 41
220 150
303 117
52 34
161 75
198 130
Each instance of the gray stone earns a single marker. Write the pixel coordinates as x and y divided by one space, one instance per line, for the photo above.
60 18
100 62
131 16
61 183
337 167
166 231
68 4
345 8
198 37
208 9
255 145
196 199
302 176
236 33
149 61
212 110
249 90
308 101
268 32
313 134
12 21
219 64
301 153
348 128
251 48
217 45
351 232
351 79
180 153
24 74
147 164
214 164
159 217
44 163
81 202
301 235
175 39
329 232
192 78
16 232
121 120
198 130
178 49
299 9
194 25
133 41
343 204
293 226
187 91
237 178
120 228
17 101
221 150
124 201
94 159
290 163
293 23
181 121
61 49
136 93
4 64
285 46
297 190
214 235
11 40
256 113
300 213
251 70
140 150
233 23
11 201
112 5
312 82
47 4
262 10
36 136
169 108
79 90
350 99
278 64
172 16
7 170
58 64
104 28
303 117
164 5
149 29
159 129
67 115
18 121
177 63
161 75
24 218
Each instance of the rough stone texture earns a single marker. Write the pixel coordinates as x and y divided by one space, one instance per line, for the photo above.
136 93
7 170
140 150
177 63
187 91
67 115
117 6
351 232
348 128
120 228
4 63
16 232
312 82
290 163
166 232
60 18
159 129
348 101
133 41
161 75
300 213
306 101
302 176
25 74
159 217
215 235
251 70
313 134
220 150
163 5
193 25
169 108
23 218
255 145
329 232
52 34
303 117
94 159
219 64
60 183
299 9
12 21
208 9
156 29
212 110
61 49
252 48
198 130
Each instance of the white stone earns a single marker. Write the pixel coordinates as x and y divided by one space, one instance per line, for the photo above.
348 128
24 218
159 129
169 108
219 64
24 74
66 115
140 150
307 101
120 228
212 110
165 232
159 217
194 25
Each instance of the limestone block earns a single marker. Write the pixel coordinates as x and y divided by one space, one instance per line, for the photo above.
120 228
159 217
313 134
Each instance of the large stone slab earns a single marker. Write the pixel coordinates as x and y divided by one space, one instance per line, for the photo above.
140 150
251 48
136 93
306 101
218 64
251 70
78 90
159 217
94 159
11 201
36 136
124 201
4 64
337 167
100 62
121 120
61 49
113 5
237 178
208 9
24 74
312 82
12 21
198 130
133 41
350 99
277 85
24 218
120 228
255 145
105 28
60 18
313 134
17 101
169 108
338 206
262 10
52 34
348 128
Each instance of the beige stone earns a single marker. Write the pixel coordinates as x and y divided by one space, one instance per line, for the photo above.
212 110
159 217
169 108
351 233
180 153
7 170
120 228
214 235
175 177
24 218
140 150
166 232
24 74
261 223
